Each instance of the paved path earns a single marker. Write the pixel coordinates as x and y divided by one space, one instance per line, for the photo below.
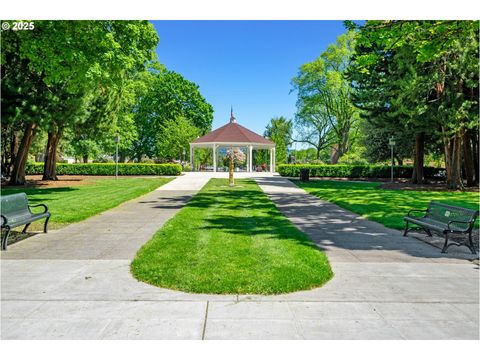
75 283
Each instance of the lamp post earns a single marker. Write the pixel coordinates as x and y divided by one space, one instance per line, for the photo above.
116 139
183 159
392 143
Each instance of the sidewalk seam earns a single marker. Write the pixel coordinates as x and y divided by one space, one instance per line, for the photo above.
205 321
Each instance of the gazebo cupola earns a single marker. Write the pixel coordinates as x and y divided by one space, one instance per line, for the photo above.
233 135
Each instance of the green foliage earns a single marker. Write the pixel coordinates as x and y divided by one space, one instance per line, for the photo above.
108 169
260 157
325 114
356 171
175 137
304 155
76 203
375 140
420 77
168 96
387 207
279 130
80 70
231 240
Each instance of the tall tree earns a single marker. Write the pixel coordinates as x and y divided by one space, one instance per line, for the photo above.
79 61
25 98
325 112
279 130
434 85
168 96
175 136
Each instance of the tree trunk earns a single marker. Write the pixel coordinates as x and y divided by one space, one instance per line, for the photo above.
85 158
468 159
399 161
50 168
18 172
418 161
453 160
335 155
13 152
476 150
231 181
121 157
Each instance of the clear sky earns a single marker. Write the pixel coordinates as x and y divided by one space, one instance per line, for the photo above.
246 64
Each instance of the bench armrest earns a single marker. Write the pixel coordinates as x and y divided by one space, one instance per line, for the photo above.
416 210
45 206
459 221
4 220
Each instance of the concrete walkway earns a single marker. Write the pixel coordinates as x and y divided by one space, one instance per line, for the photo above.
75 283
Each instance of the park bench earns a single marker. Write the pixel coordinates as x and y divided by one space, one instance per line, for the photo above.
16 212
445 219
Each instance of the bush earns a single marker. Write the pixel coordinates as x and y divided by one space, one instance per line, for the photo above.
108 169
358 171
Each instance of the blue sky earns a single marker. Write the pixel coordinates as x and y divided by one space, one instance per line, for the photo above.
247 64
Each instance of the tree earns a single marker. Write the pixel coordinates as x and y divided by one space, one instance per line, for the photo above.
168 96
431 77
234 156
176 135
80 61
279 130
325 112
375 140
24 100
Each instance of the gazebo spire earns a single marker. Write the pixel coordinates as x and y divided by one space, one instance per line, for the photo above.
232 117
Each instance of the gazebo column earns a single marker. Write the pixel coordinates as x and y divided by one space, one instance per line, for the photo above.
271 159
274 160
250 159
214 158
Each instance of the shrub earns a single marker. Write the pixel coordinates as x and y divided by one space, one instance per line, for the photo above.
357 171
108 169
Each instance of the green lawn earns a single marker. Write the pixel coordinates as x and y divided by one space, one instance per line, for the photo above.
387 207
231 241
75 203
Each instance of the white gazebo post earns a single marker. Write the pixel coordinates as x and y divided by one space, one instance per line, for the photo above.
274 159
214 158
250 159
271 159
191 158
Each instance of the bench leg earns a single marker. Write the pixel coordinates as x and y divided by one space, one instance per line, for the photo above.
445 246
45 227
471 247
428 232
5 238
25 228
406 229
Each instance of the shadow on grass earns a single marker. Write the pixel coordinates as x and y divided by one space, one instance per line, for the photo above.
40 194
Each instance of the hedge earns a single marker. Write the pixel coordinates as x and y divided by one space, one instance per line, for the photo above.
358 171
108 169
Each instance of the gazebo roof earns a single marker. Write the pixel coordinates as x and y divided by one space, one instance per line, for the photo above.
232 133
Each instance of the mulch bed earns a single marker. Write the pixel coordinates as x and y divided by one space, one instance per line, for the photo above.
398 184
35 181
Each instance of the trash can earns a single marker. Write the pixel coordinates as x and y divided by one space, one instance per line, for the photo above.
304 174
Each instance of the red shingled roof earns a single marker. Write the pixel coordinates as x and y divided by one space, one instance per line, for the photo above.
233 133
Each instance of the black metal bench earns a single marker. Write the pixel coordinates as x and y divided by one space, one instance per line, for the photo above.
445 219
16 212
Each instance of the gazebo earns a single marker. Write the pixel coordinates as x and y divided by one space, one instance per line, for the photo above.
233 135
